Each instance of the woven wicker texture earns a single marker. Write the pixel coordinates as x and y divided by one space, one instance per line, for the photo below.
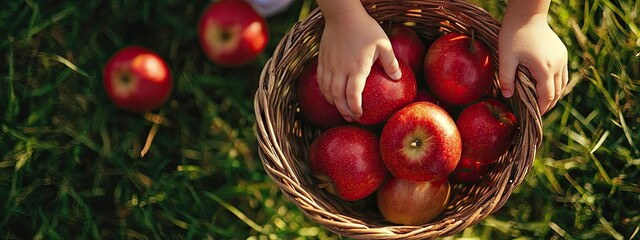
284 138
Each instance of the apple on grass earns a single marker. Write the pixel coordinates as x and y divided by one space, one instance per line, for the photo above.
487 129
420 142
458 69
346 160
383 96
136 79
314 108
407 46
232 33
412 203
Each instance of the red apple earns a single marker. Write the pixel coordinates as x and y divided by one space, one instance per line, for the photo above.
407 46
314 108
232 33
420 143
458 69
423 94
137 79
412 203
383 96
346 159
487 129
467 171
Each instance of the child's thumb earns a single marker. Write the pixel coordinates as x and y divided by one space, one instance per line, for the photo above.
390 63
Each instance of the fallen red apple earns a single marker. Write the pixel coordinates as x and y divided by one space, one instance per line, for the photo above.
346 159
420 142
383 96
412 203
487 129
458 69
232 33
467 171
137 79
407 46
314 108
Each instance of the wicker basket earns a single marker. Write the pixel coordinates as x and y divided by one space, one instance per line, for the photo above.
284 138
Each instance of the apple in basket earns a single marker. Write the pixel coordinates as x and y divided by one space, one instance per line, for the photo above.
468 170
420 142
423 94
487 129
383 96
346 160
314 108
407 46
412 203
458 69
137 79
232 33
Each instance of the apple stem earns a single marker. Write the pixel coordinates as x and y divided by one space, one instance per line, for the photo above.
225 35
125 78
324 185
416 143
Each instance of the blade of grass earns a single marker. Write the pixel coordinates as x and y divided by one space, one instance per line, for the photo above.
627 133
80 137
600 142
586 198
236 212
305 10
560 231
49 56
601 169
13 106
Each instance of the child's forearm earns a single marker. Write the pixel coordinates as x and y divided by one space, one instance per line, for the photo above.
526 9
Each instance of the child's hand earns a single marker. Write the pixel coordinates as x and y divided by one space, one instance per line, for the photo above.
533 44
351 42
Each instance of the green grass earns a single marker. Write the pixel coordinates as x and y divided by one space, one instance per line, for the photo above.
70 164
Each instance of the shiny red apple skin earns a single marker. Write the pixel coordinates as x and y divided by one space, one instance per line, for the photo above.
412 203
408 47
314 108
420 143
458 70
137 79
232 33
383 96
468 171
423 94
487 129
346 159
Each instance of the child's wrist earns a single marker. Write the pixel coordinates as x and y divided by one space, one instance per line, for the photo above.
345 11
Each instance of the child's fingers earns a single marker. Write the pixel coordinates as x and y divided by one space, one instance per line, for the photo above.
506 73
389 61
324 82
545 87
338 88
355 86
561 81
319 79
